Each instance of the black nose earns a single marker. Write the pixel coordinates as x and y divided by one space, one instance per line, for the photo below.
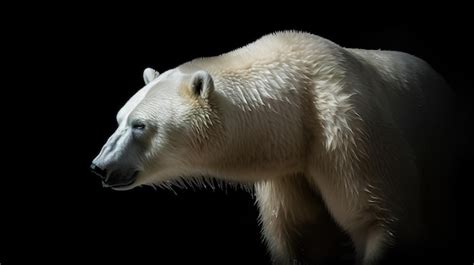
98 171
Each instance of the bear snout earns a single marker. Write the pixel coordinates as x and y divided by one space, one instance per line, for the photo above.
114 178
98 171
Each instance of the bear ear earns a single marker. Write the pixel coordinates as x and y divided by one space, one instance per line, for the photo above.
202 84
149 75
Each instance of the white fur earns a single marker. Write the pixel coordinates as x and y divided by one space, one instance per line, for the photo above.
293 112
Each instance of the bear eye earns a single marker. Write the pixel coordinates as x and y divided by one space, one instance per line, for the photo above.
137 125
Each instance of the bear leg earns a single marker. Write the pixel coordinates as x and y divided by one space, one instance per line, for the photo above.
370 243
297 227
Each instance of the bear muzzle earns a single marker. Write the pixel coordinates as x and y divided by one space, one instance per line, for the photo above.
114 178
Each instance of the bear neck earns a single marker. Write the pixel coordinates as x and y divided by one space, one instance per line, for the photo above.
268 109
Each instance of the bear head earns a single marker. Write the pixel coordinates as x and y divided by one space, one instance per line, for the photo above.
161 130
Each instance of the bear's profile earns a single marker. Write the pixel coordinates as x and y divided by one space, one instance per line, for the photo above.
333 139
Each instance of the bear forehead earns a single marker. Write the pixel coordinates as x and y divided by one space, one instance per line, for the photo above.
163 88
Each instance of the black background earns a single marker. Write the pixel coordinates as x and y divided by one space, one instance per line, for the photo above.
76 69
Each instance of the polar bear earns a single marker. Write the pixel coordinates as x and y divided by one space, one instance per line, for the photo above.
332 139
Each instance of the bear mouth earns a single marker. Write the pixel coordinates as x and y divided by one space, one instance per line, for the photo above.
118 185
122 184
